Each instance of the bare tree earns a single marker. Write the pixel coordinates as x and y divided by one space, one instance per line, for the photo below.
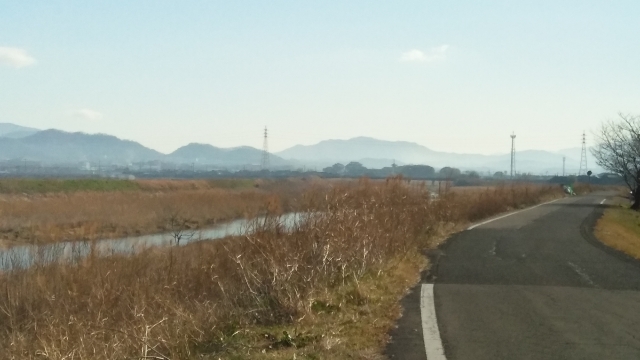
178 226
618 151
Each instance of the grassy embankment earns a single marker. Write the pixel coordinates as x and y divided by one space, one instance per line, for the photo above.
44 211
327 289
619 227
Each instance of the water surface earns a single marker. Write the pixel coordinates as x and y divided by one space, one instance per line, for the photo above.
24 256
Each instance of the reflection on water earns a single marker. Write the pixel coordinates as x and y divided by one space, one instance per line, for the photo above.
24 256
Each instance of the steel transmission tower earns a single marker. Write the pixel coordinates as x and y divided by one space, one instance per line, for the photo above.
583 156
265 151
513 155
564 159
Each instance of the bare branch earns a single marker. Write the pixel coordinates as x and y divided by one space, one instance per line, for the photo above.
618 151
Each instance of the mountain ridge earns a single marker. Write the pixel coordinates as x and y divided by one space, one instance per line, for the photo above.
54 146
14 131
207 153
331 151
57 146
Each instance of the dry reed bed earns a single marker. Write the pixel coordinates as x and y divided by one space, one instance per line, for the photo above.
201 301
88 215
93 215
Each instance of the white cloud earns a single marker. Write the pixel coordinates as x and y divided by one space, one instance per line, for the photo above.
88 114
413 55
15 57
438 53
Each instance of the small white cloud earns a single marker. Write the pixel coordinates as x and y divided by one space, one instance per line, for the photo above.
413 55
438 53
15 57
88 114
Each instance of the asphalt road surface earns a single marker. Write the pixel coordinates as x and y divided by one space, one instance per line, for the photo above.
532 285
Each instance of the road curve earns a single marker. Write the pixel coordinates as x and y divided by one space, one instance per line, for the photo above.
533 285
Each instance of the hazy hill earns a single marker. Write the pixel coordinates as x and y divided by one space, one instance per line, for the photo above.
208 154
536 161
364 149
575 153
374 151
15 131
356 149
55 146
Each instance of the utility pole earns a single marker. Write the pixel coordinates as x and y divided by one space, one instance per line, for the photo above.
513 155
265 151
564 159
583 156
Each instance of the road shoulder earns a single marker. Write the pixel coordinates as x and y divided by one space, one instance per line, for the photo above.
619 230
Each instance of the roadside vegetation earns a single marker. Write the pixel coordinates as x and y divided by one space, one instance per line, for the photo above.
326 288
45 211
619 227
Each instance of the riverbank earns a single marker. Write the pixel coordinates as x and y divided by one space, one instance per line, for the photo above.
50 211
327 288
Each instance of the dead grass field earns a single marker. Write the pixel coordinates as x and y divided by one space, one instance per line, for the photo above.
119 208
619 227
327 289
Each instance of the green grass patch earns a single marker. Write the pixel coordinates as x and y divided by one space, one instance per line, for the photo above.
39 186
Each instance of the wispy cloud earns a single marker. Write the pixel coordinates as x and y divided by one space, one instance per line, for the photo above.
15 57
88 114
435 54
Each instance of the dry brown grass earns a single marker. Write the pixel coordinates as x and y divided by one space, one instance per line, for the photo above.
88 215
326 289
619 227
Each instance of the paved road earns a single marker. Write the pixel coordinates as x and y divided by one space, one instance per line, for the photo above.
533 285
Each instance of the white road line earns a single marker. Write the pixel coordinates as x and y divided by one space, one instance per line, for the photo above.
430 331
582 274
509 214
602 202
493 248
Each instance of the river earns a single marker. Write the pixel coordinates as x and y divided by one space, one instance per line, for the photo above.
25 256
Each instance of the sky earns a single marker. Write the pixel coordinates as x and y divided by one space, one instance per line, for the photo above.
456 76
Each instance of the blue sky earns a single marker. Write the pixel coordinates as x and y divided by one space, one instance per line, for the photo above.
455 76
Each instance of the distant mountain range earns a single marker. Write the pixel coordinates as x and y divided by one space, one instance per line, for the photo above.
55 146
368 150
359 148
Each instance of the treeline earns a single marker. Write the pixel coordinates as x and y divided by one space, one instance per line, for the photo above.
356 169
